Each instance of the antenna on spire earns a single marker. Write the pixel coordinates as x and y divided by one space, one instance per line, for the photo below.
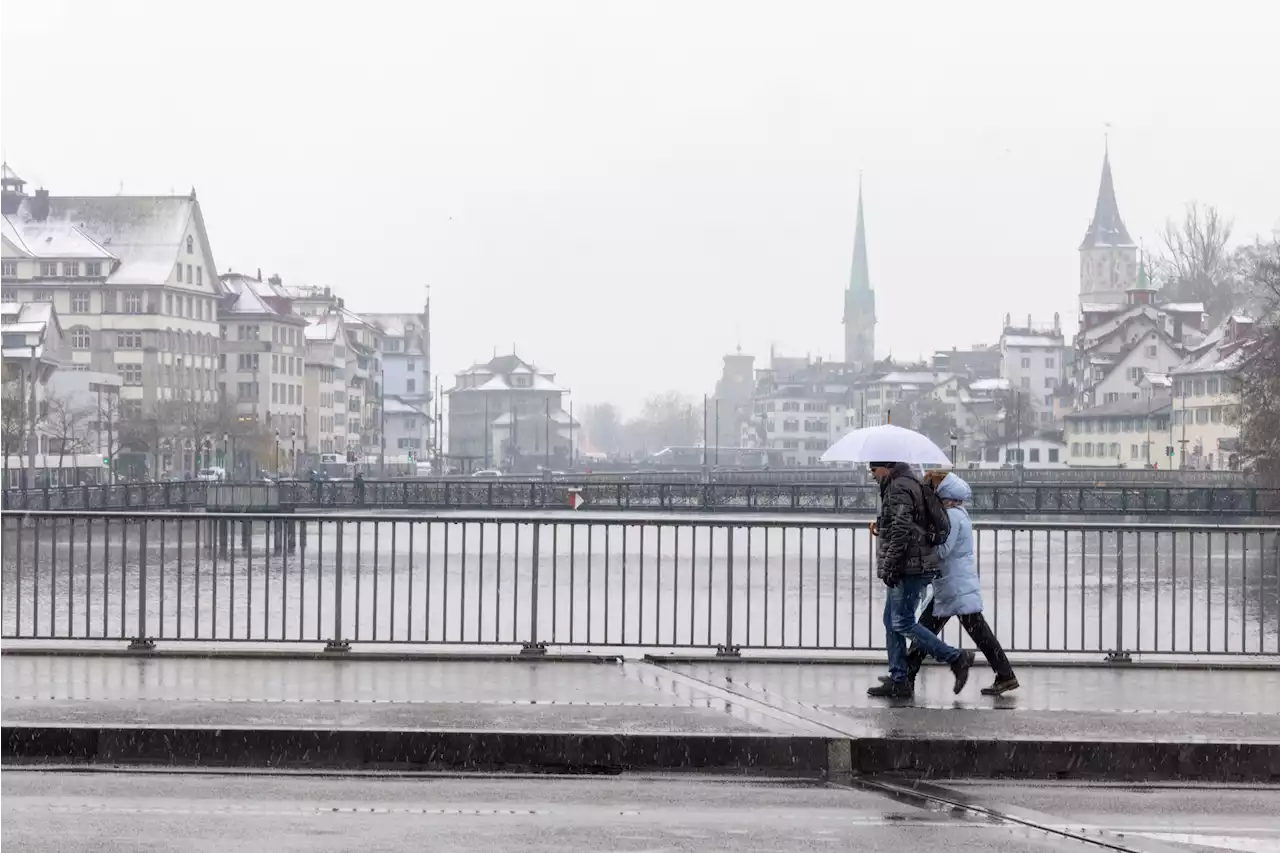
1106 138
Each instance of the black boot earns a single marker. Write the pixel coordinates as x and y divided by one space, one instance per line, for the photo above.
960 669
1001 686
893 690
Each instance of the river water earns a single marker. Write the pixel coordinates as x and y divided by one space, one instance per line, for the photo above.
654 580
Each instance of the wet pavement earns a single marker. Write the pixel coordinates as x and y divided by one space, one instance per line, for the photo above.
70 811
1054 703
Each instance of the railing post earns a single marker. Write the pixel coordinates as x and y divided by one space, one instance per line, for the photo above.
336 643
533 646
140 641
1118 654
728 648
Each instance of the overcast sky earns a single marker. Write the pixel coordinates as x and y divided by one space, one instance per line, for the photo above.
627 191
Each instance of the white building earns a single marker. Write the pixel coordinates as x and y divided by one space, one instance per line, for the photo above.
1034 452
132 279
1032 360
1126 433
32 340
406 376
1206 405
407 432
324 394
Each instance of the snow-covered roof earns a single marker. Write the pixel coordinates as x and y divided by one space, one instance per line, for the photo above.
145 232
30 321
1158 380
325 327
558 416
397 325
396 406
913 377
989 385
1102 307
1126 406
1219 359
1183 307
1032 341
52 240
254 297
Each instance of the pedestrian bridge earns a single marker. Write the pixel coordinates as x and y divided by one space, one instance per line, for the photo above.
625 494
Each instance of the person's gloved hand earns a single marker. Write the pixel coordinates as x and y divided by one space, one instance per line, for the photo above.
890 581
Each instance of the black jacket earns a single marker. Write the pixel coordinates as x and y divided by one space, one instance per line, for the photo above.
900 547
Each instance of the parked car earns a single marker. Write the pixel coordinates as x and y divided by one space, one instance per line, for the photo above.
212 475
487 472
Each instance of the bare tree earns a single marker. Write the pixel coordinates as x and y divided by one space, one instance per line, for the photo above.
66 427
602 427
1259 380
12 423
1194 263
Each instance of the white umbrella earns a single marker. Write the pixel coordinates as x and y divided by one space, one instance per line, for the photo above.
886 443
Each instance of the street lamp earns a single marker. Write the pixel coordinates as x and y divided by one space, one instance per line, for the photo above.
225 439
277 471
293 453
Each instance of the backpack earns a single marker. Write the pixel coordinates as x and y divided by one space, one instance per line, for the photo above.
934 520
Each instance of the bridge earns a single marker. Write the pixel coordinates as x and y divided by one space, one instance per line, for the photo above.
624 644
643 493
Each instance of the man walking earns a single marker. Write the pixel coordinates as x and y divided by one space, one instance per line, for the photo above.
907 563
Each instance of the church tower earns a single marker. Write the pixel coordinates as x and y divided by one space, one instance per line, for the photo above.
1108 255
860 303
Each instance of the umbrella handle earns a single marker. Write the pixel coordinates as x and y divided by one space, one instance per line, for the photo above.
874 530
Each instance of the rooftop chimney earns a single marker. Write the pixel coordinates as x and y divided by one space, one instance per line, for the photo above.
40 205
275 280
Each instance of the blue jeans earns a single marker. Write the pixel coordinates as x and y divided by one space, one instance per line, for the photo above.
900 624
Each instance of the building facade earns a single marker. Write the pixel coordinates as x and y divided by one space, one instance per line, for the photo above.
508 413
1127 433
1032 360
1108 255
132 279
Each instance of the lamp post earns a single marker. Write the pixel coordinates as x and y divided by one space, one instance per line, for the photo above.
225 439
293 453
277 471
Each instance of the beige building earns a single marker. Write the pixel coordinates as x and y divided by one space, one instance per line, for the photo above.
1127 433
324 391
262 365
132 279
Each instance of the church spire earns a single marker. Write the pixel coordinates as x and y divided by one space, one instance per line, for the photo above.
859 301
1107 228
859 277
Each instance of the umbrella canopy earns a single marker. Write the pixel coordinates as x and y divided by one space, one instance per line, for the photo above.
886 443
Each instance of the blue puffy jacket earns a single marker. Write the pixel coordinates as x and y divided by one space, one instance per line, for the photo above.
957 590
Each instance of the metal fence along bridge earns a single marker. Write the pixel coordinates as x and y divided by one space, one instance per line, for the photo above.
534 580
643 493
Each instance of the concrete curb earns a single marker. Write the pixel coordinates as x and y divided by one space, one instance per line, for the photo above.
1110 760
1018 660
72 650
420 750
401 750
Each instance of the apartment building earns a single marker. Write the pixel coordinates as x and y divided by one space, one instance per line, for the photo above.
406 379
324 392
132 280
262 362
1125 433
1206 400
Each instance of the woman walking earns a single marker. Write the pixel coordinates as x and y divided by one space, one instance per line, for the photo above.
957 590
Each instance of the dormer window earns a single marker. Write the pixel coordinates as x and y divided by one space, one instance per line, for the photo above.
190 245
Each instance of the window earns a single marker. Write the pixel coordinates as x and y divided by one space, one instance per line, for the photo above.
1026 362
199 275
1053 453
247 391
1034 454
49 269
81 338
1048 382
93 269
1199 388
179 273
132 302
1151 351
1211 385
409 364
190 244
275 392
80 302
1088 448
248 332
1202 415
410 386
1135 374
189 277
1133 451
129 340
1026 382
9 269
275 363
1215 415
248 361
222 361
70 269
131 374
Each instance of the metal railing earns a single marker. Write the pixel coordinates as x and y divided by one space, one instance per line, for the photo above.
179 494
580 582
620 495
